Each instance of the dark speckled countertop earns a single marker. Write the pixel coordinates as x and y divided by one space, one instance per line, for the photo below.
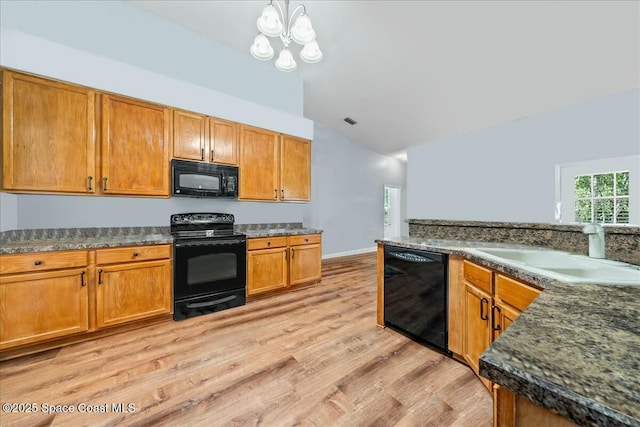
575 350
66 239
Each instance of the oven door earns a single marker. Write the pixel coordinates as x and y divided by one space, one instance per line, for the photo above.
203 267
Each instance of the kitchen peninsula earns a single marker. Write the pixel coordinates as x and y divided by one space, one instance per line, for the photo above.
574 351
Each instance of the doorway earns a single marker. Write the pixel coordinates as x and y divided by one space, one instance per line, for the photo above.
392 220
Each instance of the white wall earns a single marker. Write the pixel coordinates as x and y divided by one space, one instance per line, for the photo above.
507 172
50 211
8 211
119 31
347 182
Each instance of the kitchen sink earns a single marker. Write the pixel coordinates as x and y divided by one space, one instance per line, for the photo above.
565 266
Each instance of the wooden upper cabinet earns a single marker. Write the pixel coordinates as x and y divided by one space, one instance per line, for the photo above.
189 135
135 147
202 138
295 168
48 135
223 141
259 156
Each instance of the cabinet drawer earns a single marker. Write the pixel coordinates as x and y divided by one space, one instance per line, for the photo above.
132 253
41 261
479 276
514 293
266 243
304 239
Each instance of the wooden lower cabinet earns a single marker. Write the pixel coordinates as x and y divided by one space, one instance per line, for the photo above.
132 291
491 302
41 306
266 270
281 262
51 299
478 328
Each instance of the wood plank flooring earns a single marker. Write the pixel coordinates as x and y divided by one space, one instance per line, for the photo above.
313 357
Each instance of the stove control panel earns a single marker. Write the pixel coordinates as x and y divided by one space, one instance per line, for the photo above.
202 218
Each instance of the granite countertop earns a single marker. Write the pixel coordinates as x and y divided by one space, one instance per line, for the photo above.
66 239
575 350
280 232
274 229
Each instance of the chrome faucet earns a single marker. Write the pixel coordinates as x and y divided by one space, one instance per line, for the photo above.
596 240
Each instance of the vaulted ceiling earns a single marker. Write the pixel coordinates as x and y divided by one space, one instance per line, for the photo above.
411 72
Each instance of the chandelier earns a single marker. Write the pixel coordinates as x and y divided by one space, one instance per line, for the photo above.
278 23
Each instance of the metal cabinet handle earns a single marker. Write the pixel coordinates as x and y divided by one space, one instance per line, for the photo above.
483 316
211 158
269 243
82 282
202 154
135 254
493 319
90 183
292 253
104 184
275 193
100 277
285 254
306 240
282 193
37 262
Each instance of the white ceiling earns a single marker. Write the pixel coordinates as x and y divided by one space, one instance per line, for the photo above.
410 72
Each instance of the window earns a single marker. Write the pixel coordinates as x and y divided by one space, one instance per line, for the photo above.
602 198
605 191
387 207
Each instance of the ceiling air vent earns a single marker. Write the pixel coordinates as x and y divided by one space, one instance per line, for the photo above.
350 121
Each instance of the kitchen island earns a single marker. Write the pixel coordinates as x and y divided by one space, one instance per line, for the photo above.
574 351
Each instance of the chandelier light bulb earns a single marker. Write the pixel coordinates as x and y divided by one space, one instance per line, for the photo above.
261 48
311 52
285 61
302 31
269 22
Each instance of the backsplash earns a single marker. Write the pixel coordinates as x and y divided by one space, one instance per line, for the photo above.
622 242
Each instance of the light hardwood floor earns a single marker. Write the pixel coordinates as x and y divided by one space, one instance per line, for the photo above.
311 357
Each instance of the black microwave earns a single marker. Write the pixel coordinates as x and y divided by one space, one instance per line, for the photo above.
195 179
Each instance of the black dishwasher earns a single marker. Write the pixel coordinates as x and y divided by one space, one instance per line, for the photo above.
415 294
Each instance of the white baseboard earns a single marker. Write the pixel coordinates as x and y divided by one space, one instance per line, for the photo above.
354 252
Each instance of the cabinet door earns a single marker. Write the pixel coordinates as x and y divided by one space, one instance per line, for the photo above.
40 306
258 164
478 327
48 135
266 270
502 316
305 264
189 137
135 147
295 168
223 137
132 291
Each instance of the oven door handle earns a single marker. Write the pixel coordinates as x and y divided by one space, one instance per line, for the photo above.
219 242
210 303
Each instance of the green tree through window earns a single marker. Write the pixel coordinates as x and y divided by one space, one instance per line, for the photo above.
602 198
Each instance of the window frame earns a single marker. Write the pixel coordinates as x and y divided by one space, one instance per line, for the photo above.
565 185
